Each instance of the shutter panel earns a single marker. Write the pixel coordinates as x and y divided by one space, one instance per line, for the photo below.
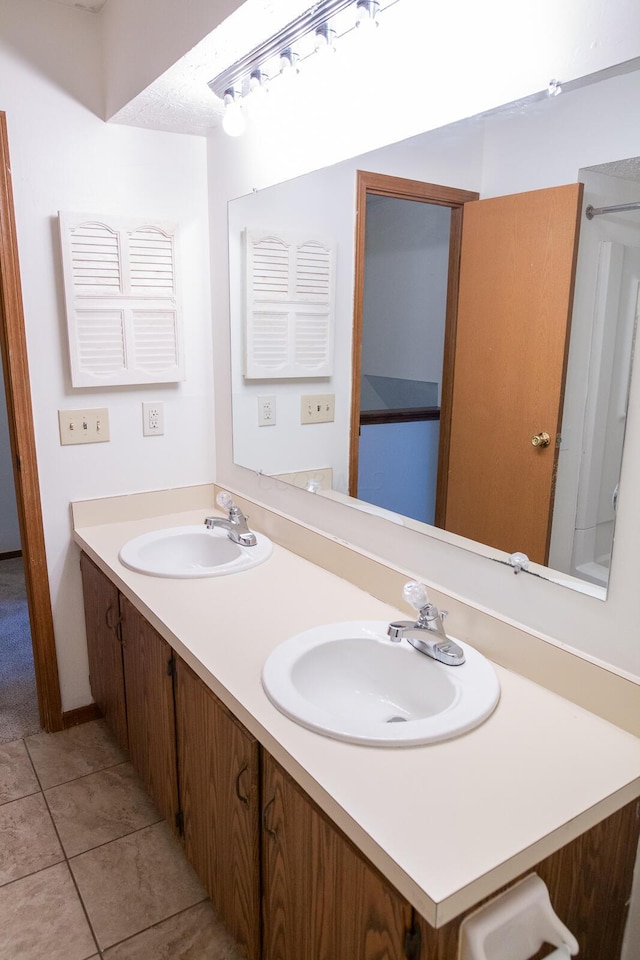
289 306
121 297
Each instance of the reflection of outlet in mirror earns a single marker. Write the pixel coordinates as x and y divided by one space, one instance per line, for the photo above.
153 419
83 426
266 411
318 408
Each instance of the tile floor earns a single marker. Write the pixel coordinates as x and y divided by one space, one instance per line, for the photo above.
87 867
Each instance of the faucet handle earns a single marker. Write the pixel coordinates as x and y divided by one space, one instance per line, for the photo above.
224 500
416 594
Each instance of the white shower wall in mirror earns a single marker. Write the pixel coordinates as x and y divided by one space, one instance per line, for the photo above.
526 147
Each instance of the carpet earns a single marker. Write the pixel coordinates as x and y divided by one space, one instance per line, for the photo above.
18 697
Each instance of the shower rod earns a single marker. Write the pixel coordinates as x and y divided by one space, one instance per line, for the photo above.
592 212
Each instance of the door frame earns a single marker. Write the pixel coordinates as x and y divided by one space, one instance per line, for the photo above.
23 452
399 188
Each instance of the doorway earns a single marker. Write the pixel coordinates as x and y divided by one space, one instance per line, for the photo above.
22 444
401 391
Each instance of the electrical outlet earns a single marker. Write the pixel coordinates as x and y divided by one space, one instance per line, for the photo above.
153 419
83 426
266 411
317 409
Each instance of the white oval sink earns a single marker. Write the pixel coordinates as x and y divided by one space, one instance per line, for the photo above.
350 681
191 551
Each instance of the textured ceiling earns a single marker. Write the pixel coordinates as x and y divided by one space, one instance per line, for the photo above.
180 100
623 169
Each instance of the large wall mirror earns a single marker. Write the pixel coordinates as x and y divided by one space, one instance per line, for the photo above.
366 429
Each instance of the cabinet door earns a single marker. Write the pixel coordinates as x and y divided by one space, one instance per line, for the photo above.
148 670
219 790
321 899
101 612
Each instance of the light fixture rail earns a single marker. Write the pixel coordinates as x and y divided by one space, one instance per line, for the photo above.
308 22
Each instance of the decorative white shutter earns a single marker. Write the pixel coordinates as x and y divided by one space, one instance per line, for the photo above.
289 306
122 305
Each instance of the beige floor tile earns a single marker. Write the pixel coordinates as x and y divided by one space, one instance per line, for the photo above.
17 778
100 807
29 841
41 918
134 882
195 934
64 756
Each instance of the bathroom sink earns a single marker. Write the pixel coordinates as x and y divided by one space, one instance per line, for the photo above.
351 682
191 551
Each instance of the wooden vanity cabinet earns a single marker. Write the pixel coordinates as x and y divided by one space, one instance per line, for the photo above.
149 663
104 647
589 882
284 879
218 763
321 899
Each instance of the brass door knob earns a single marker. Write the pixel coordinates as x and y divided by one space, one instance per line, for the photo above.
541 440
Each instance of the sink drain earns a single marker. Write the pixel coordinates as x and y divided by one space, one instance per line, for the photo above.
397 720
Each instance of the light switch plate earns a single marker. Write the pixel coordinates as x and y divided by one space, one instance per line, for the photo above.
84 426
319 408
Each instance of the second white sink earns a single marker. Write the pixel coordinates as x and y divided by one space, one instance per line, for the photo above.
191 551
350 682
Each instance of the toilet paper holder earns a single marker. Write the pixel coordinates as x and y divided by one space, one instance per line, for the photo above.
514 925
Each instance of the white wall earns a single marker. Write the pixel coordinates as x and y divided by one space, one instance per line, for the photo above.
65 158
405 300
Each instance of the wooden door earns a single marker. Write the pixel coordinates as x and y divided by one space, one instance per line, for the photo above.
106 674
514 312
148 671
321 899
219 791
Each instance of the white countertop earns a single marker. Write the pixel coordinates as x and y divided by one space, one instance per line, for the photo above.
447 823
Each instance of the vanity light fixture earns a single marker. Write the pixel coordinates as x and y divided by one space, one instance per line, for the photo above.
314 31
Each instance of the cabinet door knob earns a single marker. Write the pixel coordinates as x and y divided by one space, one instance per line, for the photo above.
272 833
541 439
241 796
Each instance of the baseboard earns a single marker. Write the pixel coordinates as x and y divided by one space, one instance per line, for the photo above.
71 718
10 554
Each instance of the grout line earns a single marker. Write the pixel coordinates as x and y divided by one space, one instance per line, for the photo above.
22 796
152 926
124 836
99 952
70 871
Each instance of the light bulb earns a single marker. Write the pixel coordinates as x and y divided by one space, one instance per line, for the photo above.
366 13
233 122
288 61
257 83
324 38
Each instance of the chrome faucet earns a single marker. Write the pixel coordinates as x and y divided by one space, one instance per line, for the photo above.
426 633
235 524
